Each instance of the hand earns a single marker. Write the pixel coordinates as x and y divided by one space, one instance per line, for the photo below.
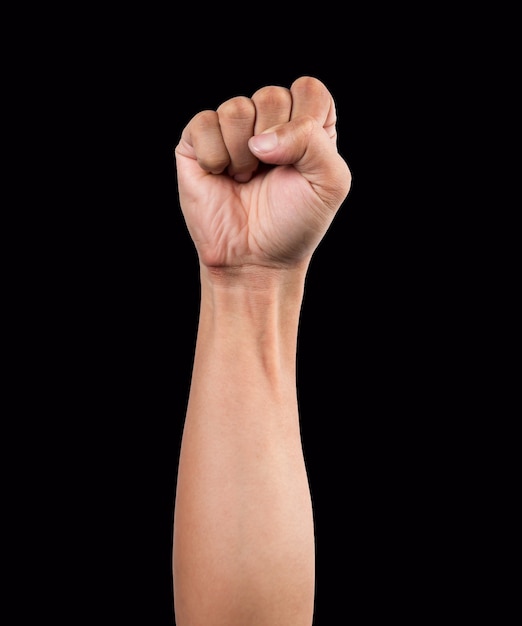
260 179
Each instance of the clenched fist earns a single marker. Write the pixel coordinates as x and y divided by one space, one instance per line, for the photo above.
260 179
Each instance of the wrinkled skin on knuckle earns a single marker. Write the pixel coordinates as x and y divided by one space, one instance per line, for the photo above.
239 109
272 98
203 121
308 87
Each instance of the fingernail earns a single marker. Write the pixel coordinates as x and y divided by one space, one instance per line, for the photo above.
243 178
264 142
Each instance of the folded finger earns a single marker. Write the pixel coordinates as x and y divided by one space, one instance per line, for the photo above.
204 142
236 121
311 97
273 106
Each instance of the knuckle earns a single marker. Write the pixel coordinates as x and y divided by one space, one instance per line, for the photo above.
204 120
272 98
237 108
310 89
308 84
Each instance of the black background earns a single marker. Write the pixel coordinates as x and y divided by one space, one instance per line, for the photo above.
118 302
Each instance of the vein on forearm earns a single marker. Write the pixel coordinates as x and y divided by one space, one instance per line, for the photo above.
246 346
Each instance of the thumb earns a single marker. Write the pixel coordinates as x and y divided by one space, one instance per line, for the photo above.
305 144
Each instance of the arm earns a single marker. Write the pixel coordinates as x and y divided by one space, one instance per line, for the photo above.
243 526
244 547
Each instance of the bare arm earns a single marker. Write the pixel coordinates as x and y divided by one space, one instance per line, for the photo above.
243 527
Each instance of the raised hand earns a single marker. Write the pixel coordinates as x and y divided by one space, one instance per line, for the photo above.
260 179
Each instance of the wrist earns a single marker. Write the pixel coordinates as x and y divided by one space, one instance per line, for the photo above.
253 311
254 292
255 279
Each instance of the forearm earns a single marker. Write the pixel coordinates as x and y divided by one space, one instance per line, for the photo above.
243 528
247 334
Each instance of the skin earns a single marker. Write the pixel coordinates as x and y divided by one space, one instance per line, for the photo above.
260 180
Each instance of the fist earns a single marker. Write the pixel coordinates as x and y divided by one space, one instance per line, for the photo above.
260 179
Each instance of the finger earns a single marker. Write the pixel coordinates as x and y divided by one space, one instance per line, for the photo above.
236 120
273 106
311 97
201 139
303 143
